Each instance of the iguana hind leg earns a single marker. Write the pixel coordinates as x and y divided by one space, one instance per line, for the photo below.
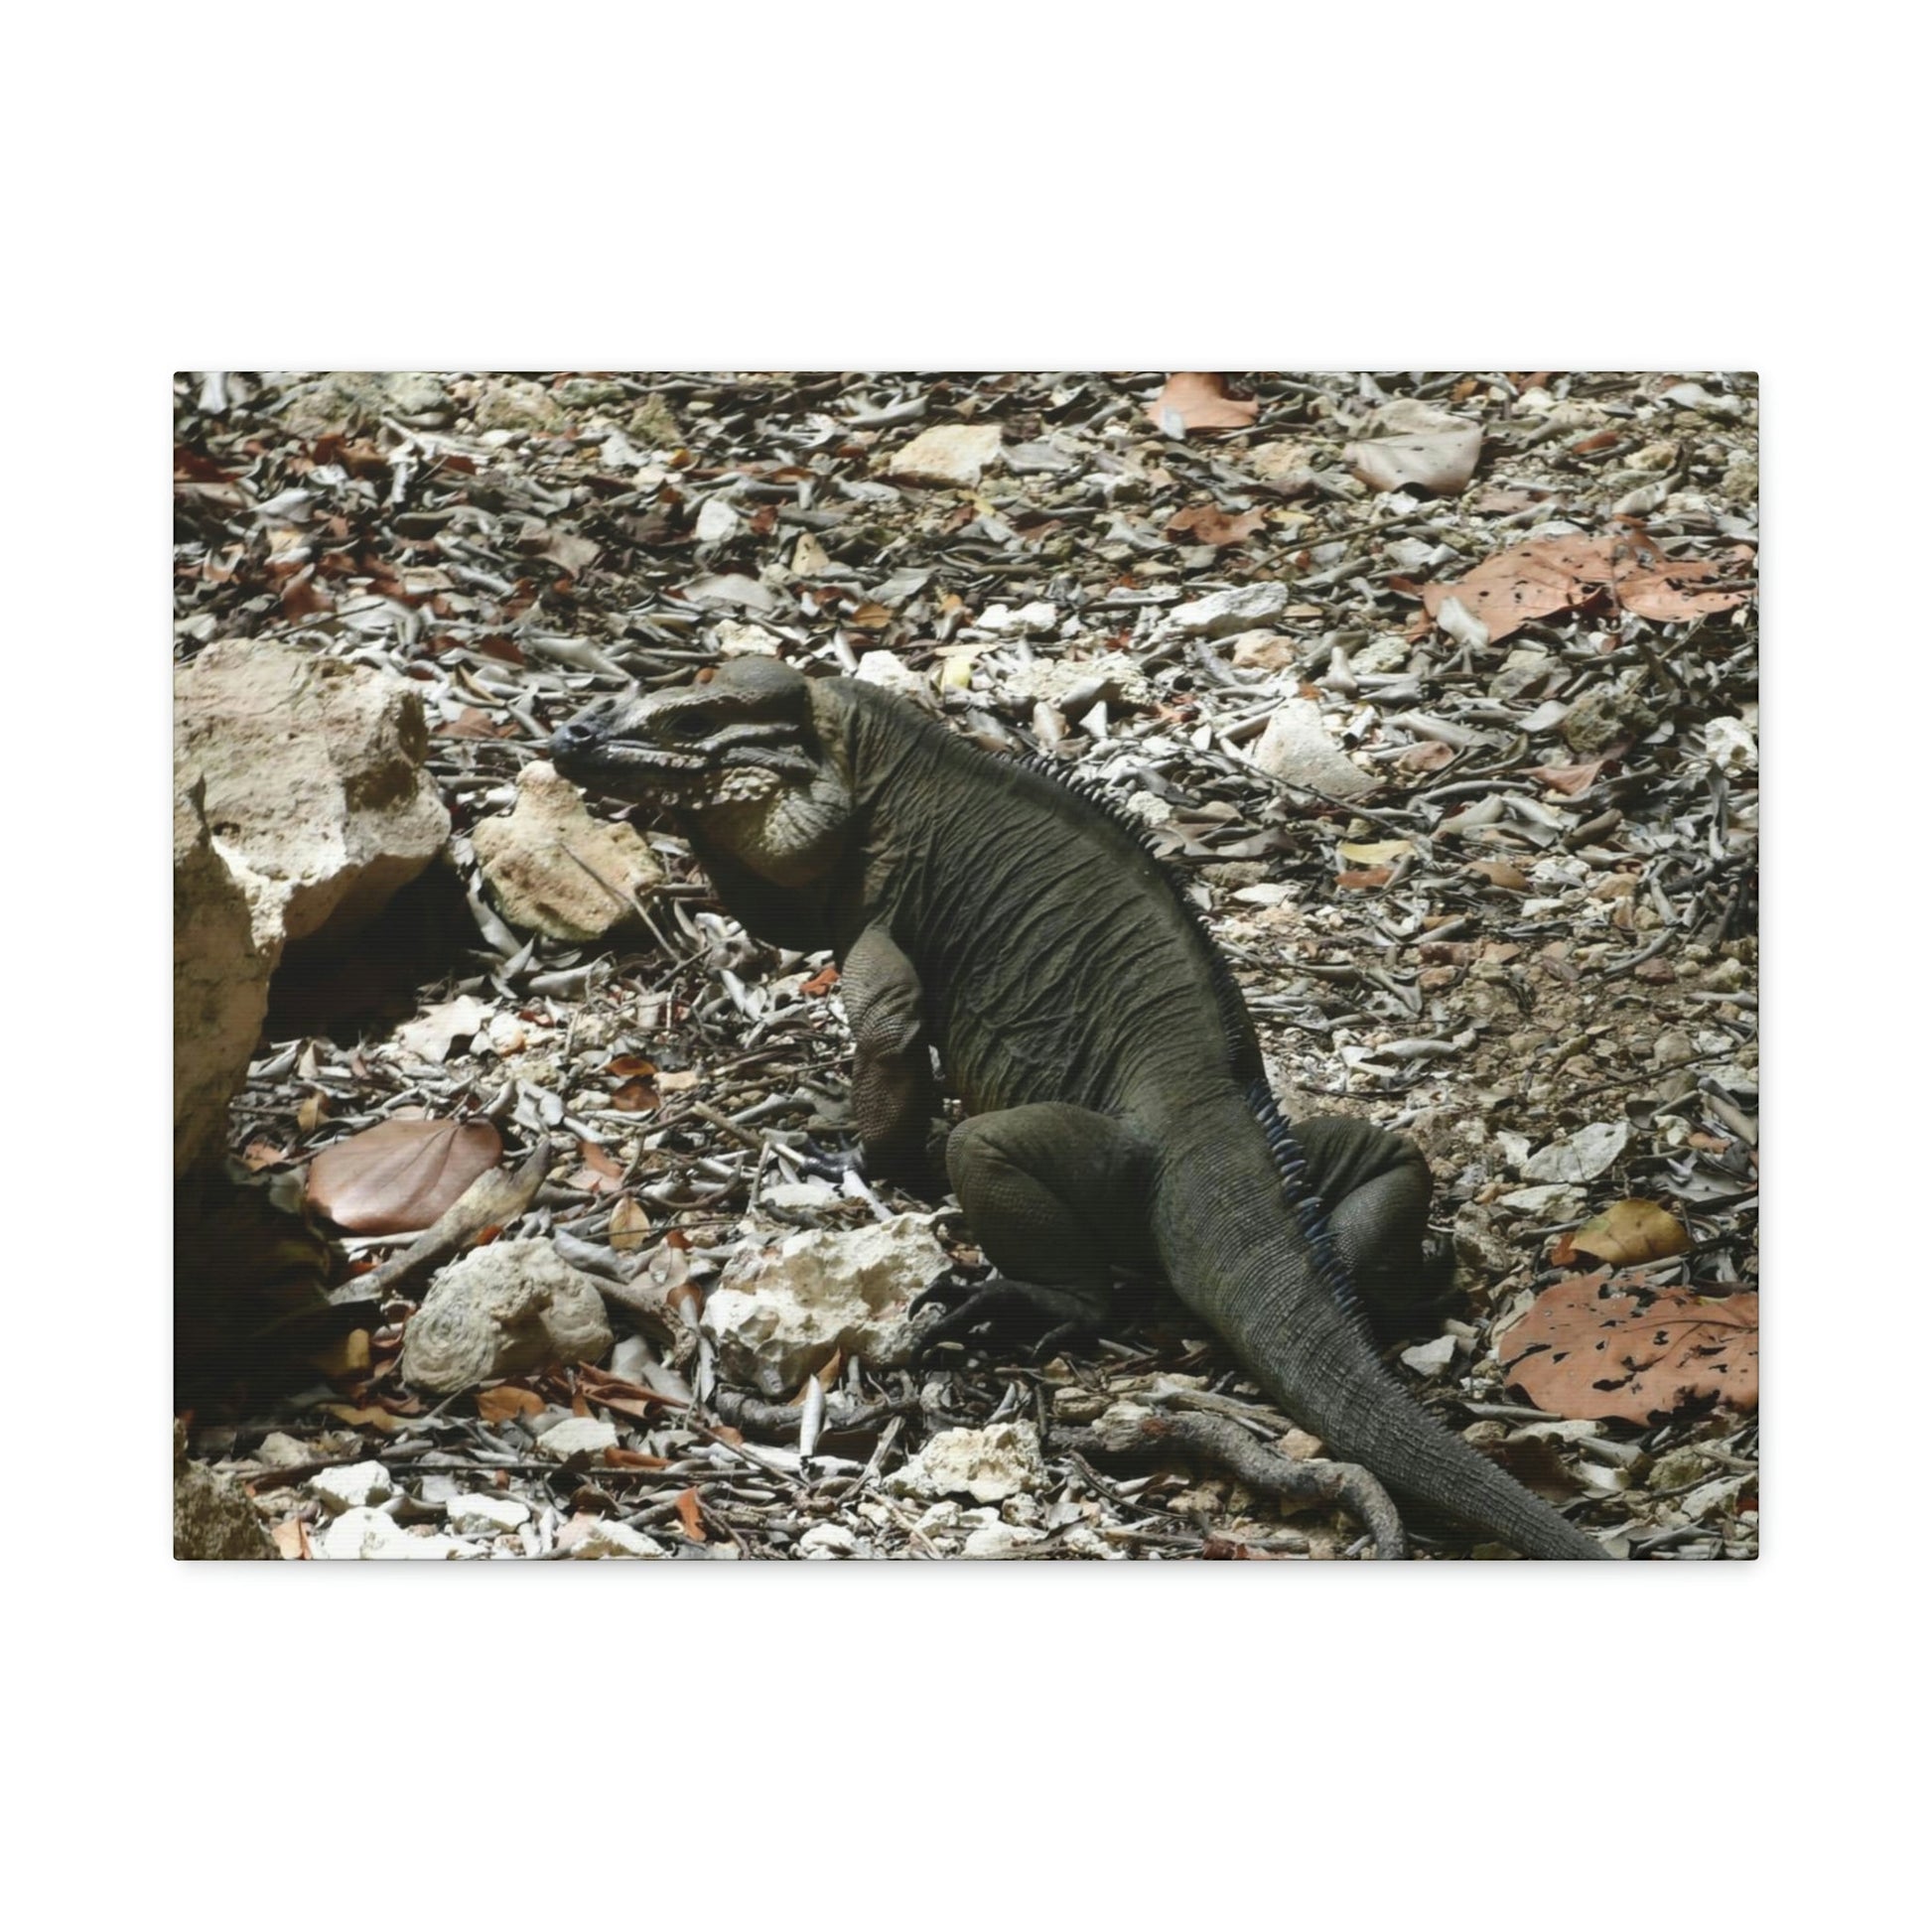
1375 1185
1056 1198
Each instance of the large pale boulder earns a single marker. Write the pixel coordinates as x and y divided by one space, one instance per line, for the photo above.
221 986
502 1310
313 781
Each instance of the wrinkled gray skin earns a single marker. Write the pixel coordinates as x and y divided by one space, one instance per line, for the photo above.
1102 1052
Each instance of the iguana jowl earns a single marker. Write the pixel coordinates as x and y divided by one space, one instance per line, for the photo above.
1117 1114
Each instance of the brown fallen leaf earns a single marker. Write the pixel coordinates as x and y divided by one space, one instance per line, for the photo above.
1499 871
401 1176
636 1097
1588 1350
1364 881
1193 401
1206 523
505 1402
1630 1232
629 1225
1570 778
1548 575
688 1515
1412 445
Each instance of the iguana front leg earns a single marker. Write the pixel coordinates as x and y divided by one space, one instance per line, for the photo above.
1057 1196
894 1096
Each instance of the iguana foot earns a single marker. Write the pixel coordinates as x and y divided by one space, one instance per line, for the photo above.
829 1164
1070 1317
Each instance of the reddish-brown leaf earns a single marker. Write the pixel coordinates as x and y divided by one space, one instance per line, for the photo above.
1365 881
636 1097
400 1177
1624 1235
1198 401
1588 1350
1207 523
507 1401
1571 779
687 1514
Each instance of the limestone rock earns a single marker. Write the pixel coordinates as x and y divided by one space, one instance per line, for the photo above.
220 984
360 1485
778 1311
989 1465
950 453
214 1522
502 1310
359 400
1222 612
1297 749
1605 717
554 869
313 783
586 1537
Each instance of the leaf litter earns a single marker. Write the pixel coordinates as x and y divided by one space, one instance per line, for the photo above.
1550 931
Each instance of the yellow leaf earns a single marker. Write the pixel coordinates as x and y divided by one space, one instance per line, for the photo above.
1380 852
1631 1231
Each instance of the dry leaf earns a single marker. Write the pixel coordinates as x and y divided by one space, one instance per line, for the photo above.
507 1401
1206 523
1546 575
1630 1232
687 1514
1195 401
1586 1350
400 1177
380 1420
1499 871
629 1225
636 1097
1361 881
1570 778
1413 446
1380 852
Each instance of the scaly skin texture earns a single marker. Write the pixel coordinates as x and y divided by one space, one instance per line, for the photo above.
1110 1073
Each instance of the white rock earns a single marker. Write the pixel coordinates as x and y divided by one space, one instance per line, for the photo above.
502 1310
989 1465
891 673
553 869
1431 1357
797 1194
593 1536
779 1311
1222 612
1730 743
950 453
716 521
1297 748
222 970
486 1515
1556 1201
360 1534
736 640
826 1540
313 774
1587 1153
279 1451
578 1435
1001 1540
1030 621
355 1487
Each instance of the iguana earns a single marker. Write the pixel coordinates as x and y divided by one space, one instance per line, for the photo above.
1117 1115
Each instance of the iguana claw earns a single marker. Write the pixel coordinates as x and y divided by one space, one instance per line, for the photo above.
1071 1317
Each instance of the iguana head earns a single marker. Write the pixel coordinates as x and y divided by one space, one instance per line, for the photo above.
741 753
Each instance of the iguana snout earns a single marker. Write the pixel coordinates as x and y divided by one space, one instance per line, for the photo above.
740 735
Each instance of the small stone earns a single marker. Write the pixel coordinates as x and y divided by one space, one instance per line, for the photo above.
1001 1540
279 1451
486 1515
892 673
578 1436
1589 1152
1297 748
736 640
716 521
1673 1048
1431 1357
553 869
1030 621
355 1487
502 1310
989 1465
588 1537
358 1534
1603 718
1287 467
1222 613
828 1539
1262 650
954 454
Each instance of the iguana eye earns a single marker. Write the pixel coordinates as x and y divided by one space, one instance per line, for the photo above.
692 724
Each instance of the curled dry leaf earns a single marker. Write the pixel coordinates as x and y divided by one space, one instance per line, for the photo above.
1413 447
1191 401
400 1177
1586 1349
1631 1232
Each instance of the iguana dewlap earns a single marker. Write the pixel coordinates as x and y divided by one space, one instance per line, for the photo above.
1118 1117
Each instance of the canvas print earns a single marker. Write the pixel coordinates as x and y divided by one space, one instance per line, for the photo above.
1050 967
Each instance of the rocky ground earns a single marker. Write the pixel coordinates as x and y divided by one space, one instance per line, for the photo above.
1438 691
